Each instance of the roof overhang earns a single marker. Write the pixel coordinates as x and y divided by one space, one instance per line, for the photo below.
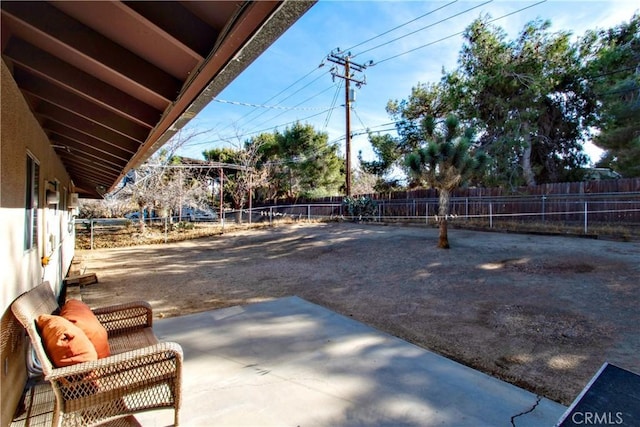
110 82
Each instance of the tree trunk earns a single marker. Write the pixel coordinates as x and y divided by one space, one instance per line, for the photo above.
443 212
239 215
527 170
141 223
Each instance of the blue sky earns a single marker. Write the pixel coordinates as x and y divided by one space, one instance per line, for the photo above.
285 84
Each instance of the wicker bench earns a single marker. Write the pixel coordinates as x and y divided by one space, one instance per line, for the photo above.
141 374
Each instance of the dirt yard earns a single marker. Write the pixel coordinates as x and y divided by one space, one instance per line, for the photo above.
542 312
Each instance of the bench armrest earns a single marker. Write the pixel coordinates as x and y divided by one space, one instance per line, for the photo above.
121 318
124 383
122 362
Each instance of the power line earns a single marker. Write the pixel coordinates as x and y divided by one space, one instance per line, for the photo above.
333 103
272 107
455 34
306 100
401 25
621 70
343 59
367 130
294 83
417 48
284 99
278 94
329 110
257 106
352 47
247 134
288 123
359 119
424 28
305 86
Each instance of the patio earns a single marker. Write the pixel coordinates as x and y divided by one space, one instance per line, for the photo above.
291 362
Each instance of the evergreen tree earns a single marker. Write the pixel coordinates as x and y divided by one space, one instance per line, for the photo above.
302 163
525 96
613 75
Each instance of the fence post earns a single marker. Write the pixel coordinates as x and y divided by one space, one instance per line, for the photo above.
166 218
543 199
308 212
490 215
426 213
270 215
91 240
466 208
585 218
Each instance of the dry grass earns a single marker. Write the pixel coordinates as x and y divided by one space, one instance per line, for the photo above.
624 232
130 235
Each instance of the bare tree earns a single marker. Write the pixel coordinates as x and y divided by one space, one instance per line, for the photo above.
247 176
157 186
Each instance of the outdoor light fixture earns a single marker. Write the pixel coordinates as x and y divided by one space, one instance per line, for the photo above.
53 197
72 200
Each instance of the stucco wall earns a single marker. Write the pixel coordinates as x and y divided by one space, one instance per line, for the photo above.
22 270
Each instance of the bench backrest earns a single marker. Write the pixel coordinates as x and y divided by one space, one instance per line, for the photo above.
27 307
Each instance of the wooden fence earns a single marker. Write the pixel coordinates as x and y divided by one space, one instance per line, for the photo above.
603 187
606 201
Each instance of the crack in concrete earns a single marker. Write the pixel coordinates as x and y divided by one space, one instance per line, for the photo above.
535 405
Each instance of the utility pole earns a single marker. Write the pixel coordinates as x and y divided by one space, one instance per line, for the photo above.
344 59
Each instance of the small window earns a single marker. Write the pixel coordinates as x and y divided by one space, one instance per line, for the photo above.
56 188
31 203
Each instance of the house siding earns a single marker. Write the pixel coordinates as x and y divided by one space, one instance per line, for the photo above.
22 269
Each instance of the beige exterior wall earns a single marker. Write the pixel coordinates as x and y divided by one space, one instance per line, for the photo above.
22 269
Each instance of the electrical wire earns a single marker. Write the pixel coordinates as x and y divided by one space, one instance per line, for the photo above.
455 34
333 103
400 26
249 133
355 112
284 99
333 106
621 70
270 107
366 131
313 70
294 83
424 28
270 128
241 119
303 102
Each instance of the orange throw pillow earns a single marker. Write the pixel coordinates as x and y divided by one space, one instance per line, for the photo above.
64 342
81 315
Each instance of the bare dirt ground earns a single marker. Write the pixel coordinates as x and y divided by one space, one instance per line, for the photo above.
542 312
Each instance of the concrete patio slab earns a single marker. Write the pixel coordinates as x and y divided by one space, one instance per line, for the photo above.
288 362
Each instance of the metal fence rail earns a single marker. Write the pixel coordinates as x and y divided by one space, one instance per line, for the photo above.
113 226
568 209
575 210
